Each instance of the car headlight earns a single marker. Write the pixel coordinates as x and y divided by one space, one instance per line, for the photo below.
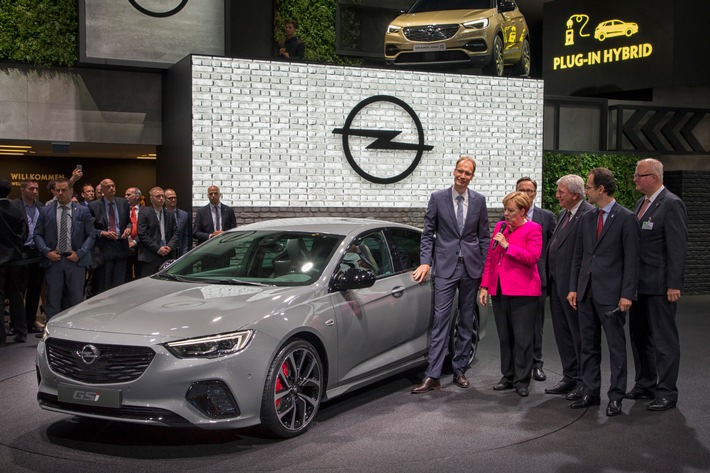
477 24
394 29
211 347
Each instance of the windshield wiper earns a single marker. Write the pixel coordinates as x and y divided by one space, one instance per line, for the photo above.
247 283
174 277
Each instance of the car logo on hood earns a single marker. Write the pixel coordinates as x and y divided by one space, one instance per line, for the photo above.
89 354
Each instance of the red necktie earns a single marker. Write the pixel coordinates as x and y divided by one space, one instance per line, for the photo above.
644 207
134 222
600 223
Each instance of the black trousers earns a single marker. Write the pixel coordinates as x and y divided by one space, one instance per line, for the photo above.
565 324
539 326
515 321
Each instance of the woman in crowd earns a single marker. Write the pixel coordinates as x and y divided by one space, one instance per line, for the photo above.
511 277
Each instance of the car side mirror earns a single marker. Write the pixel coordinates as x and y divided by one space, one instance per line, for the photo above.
506 6
354 278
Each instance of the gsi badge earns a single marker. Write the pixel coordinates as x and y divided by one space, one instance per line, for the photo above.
86 396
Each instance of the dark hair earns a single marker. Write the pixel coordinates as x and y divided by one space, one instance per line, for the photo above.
527 178
604 177
293 22
5 188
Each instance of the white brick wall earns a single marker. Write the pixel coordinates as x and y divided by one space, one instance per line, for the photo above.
262 131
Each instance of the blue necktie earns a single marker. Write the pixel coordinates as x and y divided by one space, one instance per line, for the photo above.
459 212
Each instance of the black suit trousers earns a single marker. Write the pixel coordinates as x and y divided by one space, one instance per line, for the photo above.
515 321
655 345
565 324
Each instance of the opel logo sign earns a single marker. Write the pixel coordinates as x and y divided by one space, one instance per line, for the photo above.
158 9
89 354
392 153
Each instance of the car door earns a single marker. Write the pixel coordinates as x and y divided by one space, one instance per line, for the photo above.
376 326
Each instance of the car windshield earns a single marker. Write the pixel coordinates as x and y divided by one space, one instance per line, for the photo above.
438 5
278 258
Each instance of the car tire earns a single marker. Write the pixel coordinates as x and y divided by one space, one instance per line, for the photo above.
293 390
602 36
496 66
629 32
448 361
522 68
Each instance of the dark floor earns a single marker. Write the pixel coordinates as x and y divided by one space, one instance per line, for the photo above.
385 428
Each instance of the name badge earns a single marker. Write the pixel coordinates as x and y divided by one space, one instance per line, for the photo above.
647 225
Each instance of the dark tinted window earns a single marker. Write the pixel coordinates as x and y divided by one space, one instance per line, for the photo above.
404 246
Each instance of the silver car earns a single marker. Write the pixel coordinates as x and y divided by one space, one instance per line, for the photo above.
256 326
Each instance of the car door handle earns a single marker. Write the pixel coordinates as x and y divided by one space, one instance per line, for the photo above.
397 291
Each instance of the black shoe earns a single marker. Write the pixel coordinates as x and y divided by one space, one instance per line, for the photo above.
503 385
638 393
11 332
522 391
661 404
613 408
20 338
460 380
34 330
576 393
586 401
563 387
538 374
429 384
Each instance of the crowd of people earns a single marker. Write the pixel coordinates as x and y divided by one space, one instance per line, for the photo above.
53 255
598 262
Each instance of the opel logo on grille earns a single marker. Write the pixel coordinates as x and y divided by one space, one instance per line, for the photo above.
89 354
430 30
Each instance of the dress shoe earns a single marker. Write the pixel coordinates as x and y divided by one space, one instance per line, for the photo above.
40 335
586 401
460 380
522 391
503 385
11 332
429 384
538 374
20 338
661 404
576 393
34 330
637 393
613 408
563 387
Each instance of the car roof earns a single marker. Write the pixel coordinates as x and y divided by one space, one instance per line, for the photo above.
333 225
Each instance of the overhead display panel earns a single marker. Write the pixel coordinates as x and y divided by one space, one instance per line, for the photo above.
149 33
597 47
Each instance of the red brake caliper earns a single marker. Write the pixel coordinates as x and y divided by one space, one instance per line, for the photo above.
279 385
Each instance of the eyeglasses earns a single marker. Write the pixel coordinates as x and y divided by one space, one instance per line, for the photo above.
590 187
636 176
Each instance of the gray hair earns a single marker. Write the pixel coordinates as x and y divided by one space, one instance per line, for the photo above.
655 167
574 184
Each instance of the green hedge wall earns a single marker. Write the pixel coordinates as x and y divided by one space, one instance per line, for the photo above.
39 32
556 165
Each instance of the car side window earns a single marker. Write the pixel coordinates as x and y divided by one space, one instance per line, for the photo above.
369 251
404 247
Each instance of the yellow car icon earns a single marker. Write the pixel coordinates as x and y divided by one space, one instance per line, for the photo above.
611 28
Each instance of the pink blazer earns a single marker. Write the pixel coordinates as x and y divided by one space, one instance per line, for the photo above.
516 266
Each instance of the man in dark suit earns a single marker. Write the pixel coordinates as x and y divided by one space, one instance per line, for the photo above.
565 320
64 236
184 223
458 217
214 218
652 326
603 282
133 197
546 220
157 233
31 274
113 227
13 232
87 193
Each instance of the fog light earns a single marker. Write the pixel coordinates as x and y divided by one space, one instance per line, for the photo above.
477 45
391 50
213 399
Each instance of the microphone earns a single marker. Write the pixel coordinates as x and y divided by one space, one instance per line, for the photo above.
502 229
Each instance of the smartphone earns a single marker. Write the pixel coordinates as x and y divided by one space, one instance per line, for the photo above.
78 166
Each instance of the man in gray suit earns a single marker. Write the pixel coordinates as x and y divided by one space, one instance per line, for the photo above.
157 234
652 326
603 281
64 236
565 320
458 217
546 220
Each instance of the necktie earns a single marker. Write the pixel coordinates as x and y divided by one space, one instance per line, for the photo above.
111 219
63 246
600 223
568 217
644 207
134 222
217 225
459 212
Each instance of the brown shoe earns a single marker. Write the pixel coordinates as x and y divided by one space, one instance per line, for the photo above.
460 380
429 384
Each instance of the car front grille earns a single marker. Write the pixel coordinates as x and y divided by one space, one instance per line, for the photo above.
110 363
430 32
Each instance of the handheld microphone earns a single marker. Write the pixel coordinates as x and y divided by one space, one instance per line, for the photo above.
501 230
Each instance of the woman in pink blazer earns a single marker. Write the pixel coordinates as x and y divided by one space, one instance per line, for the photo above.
511 277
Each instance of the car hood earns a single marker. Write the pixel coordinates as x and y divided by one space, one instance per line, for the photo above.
442 17
178 310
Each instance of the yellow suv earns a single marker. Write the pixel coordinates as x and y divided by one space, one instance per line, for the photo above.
491 34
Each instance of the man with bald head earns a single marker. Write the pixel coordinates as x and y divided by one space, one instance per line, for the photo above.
214 218
113 227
